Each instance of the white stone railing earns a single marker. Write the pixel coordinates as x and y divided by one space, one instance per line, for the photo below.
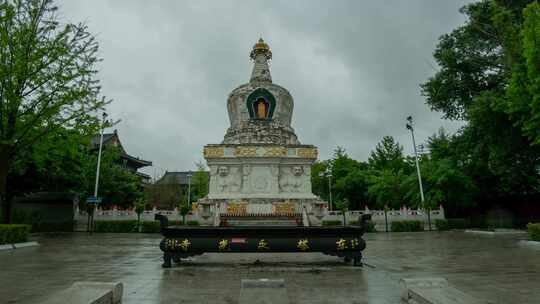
381 218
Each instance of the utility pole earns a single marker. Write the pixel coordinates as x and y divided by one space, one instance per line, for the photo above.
99 154
189 188
328 174
410 126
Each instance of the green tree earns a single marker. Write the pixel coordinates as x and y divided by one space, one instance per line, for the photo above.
184 209
54 163
117 185
386 188
485 79
388 154
46 79
200 182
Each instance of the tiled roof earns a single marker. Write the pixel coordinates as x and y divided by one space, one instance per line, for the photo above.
177 178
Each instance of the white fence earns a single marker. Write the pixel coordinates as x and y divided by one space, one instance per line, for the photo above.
382 220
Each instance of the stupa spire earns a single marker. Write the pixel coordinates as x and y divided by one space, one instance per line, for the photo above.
261 54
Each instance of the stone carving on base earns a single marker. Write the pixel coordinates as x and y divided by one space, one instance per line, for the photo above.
228 179
292 179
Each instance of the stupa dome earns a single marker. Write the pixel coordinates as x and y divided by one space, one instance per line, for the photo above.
260 111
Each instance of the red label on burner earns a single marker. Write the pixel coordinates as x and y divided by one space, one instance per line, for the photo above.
238 240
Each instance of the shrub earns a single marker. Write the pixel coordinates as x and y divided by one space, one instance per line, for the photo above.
406 226
192 223
151 227
14 233
370 227
331 223
35 219
442 225
116 226
457 223
127 226
534 231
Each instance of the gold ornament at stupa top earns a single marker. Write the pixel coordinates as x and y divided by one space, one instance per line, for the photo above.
261 47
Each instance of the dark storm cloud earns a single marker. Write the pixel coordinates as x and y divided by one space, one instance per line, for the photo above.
353 67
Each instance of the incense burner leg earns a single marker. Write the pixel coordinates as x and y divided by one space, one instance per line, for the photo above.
166 260
357 261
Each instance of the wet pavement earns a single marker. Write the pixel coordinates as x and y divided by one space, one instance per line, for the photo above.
494 268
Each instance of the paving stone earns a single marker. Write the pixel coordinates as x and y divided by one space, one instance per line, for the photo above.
263 291
497 269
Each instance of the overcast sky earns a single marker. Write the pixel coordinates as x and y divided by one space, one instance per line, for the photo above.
352 67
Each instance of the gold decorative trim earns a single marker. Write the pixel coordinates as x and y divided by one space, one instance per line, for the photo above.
223 245
174 244
237 208
245 151
341 244
307 152
213 152
286 207
185 244
303 244
275 151
354 243
263 245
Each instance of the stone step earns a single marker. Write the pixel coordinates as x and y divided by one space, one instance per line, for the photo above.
89 293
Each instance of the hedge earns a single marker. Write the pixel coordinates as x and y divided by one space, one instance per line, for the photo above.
370 227
14 233
534 231
127 226
35 219
192 223
442 225
407 226
151 227
457 223
332 223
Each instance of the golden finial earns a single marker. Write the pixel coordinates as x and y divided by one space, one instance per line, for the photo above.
261 47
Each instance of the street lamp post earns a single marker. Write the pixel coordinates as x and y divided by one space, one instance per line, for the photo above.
91 210
328 174
409 126
189 175
99 154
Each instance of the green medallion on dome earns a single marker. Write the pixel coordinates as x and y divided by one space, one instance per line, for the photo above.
261 104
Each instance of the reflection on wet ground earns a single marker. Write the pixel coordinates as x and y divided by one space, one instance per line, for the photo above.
495 268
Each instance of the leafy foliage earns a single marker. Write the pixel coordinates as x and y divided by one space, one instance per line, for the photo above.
489 77
200 182
534 231
47 80
387 154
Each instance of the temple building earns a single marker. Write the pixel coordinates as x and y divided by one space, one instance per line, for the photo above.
260 168
127 161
